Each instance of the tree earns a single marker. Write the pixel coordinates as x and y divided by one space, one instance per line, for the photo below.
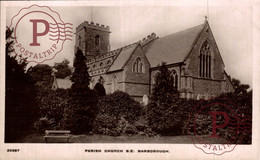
163 112
42 76
240 88
99 89
163 89
21 109
81 110
63 69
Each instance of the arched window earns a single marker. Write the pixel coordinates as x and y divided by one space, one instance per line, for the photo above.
80 41
108 62
114 84
94 66
135 67
205 60
175 79
97 40
101 64
138 66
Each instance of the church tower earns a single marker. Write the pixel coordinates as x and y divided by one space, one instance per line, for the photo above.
93 39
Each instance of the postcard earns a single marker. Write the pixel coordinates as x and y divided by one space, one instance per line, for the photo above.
129 80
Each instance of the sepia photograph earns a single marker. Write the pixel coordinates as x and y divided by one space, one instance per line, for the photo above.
128 74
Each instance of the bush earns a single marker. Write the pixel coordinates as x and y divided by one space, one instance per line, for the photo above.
130 129
106 124
52 104
99 89
238 105
43 124
169 118
115 112
81 112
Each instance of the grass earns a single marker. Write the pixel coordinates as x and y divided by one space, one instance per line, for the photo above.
183 139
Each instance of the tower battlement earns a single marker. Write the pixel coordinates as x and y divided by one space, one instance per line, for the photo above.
92 25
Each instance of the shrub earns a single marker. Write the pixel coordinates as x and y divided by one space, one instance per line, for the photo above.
52 104
130 129
99 89
43 124
114 112
81 112
169 118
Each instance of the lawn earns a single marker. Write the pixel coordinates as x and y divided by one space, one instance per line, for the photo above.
183 139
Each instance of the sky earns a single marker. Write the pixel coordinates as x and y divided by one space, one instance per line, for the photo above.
231 25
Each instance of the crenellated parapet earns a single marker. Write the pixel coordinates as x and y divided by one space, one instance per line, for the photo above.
148 39
93 25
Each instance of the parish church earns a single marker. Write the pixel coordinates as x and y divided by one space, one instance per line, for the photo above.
191 55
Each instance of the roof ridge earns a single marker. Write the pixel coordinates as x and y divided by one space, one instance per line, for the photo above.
183 30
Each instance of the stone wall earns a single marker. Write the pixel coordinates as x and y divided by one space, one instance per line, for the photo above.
137 84
88 31
206 88
217 67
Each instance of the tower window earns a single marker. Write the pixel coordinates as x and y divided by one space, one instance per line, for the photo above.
138 66
101 64
97 40
205 60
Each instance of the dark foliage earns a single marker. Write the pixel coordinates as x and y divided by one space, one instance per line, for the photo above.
240 114
163 112
44 124
82 103
21 109
240 89
115 112
52 104
63 69
242 99
163 88
42 76
80 76
169 118
99 89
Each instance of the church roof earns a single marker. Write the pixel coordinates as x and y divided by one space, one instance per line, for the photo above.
122 57
173 48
